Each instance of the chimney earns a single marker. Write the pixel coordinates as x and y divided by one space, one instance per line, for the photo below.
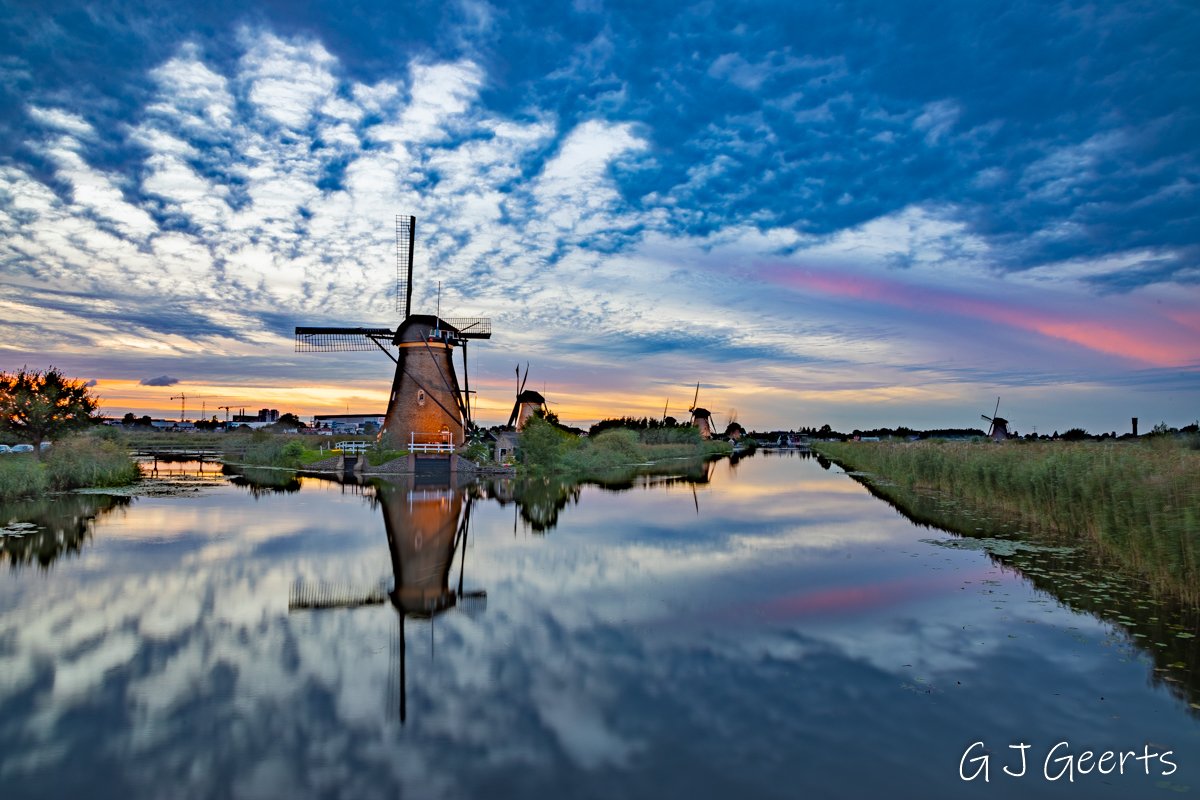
1135 426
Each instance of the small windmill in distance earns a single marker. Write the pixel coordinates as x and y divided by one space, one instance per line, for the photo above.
700 417
527 404
998 431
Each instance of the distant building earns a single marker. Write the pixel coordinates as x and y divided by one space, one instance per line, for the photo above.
349 423
264 415
171 425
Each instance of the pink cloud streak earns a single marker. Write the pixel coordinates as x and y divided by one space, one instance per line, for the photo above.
1127 331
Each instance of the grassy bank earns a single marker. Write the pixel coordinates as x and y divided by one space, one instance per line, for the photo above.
544 448
1136 504
79 462
285 451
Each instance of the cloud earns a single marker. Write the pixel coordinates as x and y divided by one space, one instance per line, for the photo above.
161 380
620 181
92 382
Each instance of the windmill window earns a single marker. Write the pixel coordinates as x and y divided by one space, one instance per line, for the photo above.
420 397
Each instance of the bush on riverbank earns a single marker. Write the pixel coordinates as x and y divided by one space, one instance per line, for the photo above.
1136 502
78 462
545 448
88 461
264 449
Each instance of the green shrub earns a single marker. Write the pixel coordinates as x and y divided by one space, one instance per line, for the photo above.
270 450
541 446
378 455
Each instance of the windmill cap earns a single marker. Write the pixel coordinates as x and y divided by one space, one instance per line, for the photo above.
530 396
417 327
700 412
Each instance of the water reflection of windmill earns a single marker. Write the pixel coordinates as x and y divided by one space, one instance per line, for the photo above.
999 427
426 401
427 526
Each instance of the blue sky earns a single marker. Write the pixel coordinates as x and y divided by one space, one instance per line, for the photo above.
862 214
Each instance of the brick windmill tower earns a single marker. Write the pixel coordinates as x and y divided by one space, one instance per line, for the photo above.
998 431
527 403
701 418
427 408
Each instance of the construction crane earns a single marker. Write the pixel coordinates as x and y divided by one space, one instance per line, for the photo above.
182 398
227 408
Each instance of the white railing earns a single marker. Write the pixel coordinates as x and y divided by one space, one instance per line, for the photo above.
431 442
356 448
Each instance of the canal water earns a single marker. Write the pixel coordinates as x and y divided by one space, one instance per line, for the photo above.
758 629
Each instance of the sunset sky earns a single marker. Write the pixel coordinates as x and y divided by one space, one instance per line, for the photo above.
859 214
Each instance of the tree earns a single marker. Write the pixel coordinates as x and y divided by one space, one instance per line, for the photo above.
39 406
287 422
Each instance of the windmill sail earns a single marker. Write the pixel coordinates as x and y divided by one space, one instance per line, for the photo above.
333 340
406 232
470 327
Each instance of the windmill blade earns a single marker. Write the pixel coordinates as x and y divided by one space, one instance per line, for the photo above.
512 418
333 340
997 411
406 234
985 416
523 380
470 327
695 397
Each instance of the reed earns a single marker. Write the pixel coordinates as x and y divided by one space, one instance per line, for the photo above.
1136 503
21 476
89 461
77 462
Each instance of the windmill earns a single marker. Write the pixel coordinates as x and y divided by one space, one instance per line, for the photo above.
527 403
998 431
700 417
734 430
426 405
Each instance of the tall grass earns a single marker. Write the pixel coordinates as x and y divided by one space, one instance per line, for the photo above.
74 463
1137 503
21 476
87 461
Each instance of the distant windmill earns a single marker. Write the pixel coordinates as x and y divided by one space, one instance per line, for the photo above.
700 417
528 403
734 431
999 427
426 403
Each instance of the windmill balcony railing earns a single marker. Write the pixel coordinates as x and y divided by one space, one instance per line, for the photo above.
442 442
